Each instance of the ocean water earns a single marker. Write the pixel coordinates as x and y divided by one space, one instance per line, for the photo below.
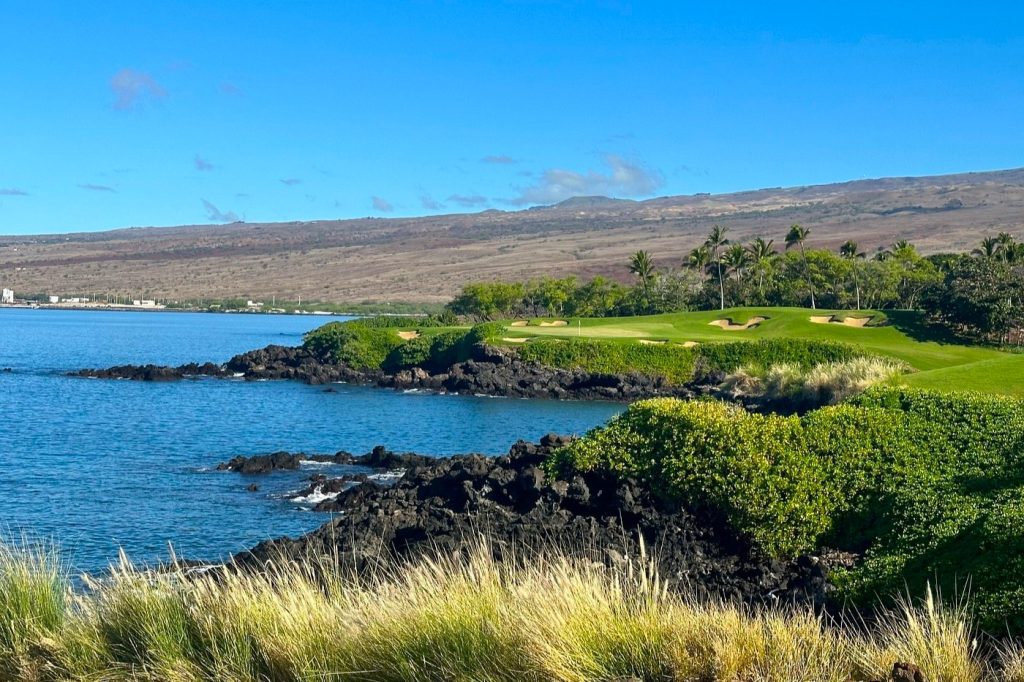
98 465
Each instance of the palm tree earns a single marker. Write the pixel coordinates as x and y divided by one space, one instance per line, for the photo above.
849 251
736 258
1006 245
698 259
989 248
642 266
716 240
796 236
761 254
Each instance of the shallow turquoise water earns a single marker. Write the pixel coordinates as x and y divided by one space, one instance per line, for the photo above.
96 465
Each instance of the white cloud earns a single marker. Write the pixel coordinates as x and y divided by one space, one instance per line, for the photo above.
131 87
216 215
623 179
468 200
383 205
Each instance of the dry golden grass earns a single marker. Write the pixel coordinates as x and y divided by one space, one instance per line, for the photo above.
548 618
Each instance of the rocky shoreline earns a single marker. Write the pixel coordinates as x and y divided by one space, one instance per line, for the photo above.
448 504
491 370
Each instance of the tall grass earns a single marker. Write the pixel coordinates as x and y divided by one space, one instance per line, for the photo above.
471 619
823 384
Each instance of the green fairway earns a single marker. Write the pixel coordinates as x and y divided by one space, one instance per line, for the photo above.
939 362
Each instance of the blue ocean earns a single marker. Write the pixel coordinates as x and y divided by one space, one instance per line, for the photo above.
100 465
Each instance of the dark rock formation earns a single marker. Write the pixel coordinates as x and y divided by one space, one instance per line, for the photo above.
490 371
445 505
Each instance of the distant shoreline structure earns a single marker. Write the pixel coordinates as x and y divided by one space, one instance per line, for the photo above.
164 309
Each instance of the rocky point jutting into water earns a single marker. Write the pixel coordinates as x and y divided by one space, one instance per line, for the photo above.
447 504
490 370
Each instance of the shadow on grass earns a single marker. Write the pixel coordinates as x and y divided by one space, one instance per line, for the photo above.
913 324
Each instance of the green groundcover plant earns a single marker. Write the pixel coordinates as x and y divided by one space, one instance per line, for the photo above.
926 486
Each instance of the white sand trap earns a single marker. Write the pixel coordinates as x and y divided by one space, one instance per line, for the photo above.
848 321
522 339
730 326
649 342
519 323
688 344
556 323
408 336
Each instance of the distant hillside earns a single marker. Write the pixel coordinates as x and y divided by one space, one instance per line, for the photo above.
428 258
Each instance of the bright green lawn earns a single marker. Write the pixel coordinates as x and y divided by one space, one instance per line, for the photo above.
941 363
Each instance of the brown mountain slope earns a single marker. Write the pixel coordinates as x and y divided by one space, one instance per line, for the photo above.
427 259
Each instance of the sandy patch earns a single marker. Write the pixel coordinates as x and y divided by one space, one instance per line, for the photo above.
688 344
408 336
556 323
521 339
519 323
848 321
649 342
730 326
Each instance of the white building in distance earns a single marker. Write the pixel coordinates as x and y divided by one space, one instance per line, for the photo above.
7 296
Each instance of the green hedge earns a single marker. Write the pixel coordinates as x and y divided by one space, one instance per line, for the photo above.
927 485
679 364
672 362
405 321
728 357
355 345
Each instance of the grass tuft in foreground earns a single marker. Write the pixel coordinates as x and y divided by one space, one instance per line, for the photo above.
549 618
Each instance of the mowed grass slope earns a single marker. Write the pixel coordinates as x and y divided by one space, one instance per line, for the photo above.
940 362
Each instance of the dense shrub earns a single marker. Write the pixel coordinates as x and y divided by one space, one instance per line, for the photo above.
356 345
672 362
805 353
433 352
928 485
406 321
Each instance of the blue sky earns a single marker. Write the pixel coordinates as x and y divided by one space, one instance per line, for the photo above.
140 113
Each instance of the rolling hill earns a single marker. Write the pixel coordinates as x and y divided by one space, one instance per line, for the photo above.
426 259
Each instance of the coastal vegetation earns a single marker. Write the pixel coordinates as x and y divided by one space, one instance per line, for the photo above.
926 486
543 617
978 295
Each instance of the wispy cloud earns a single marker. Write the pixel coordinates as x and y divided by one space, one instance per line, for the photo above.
230 89
623 179
216 215
202 164
12 192
468 200
383 205
97 188
500 159
429 203
291 182
131 87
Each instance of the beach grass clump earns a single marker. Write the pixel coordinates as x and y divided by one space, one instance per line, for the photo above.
532 618
824 384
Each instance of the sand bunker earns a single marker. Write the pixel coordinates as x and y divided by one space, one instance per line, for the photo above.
730 326
556 323
522 339
408 336
519 323
688 344
649 342
834 319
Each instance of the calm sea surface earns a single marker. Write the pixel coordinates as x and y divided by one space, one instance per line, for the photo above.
100 464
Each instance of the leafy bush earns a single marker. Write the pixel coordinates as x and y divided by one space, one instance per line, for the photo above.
675 363
928 485
805 353
355 345
404 321
434 353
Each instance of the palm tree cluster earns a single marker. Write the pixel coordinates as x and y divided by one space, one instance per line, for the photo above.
1001 247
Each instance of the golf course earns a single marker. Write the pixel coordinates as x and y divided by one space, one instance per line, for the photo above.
939 361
